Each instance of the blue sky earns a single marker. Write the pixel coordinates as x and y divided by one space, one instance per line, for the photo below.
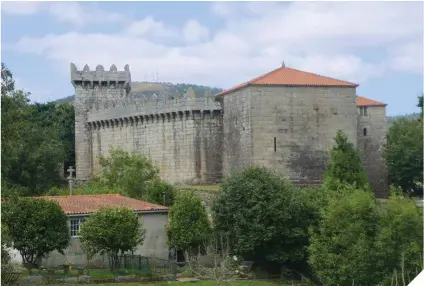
378 45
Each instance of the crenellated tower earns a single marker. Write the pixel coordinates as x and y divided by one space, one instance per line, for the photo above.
94 89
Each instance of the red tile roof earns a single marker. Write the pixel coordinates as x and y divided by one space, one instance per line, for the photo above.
363 101
290 77
85 204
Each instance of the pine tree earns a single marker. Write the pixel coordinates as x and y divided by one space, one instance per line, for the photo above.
345 164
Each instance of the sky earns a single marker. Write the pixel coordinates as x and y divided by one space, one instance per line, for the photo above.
378 45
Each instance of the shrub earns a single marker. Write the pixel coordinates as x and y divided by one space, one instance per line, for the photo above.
189 225
264 217
36 228
156 190
341 251
111 231
345 165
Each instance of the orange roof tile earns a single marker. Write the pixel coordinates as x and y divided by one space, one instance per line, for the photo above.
290 77
363 101
85 204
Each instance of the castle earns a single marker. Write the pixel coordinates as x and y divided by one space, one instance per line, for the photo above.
285 120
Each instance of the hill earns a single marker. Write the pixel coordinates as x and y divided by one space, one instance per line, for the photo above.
391 119
147 89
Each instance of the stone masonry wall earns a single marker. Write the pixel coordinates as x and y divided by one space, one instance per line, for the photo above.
293 128
237 134
181 135
372 129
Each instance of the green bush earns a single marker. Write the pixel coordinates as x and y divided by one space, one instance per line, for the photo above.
264 217
36 228
341 251
189 227
156 190
345 165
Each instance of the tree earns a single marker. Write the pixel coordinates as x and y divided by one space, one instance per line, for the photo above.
130 172
188 224
112 231
345 164
421 105
404 155
159 192
399 242
36 227
263 216
341 251
31 151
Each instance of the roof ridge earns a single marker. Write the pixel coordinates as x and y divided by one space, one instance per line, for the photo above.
85 195
264 75
315 74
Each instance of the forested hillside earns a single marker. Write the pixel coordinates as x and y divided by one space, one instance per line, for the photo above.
149 88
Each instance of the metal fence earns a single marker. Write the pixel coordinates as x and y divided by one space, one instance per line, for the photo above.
133 268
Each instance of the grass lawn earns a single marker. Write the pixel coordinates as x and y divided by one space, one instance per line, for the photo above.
202 283
213 188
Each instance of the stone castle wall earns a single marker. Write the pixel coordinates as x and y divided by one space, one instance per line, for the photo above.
293 128
198 140
372 129
182 135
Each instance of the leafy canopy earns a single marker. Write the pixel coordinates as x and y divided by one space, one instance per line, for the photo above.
404 155
345 164
263 216
36 140
341 248
111 231
129 172
36 227
189 225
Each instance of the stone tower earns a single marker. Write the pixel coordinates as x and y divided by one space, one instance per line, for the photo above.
94 90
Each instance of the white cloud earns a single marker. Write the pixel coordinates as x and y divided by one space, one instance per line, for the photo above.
194 32
321 37
407 58
150 28
21 8
68 12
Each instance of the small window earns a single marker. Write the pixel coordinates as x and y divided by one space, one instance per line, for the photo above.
365 131
275 144
365 111
75 226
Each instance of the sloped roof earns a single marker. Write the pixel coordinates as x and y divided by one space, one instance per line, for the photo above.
285 76
86 204
363 101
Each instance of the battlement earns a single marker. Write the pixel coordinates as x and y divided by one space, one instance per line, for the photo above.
131 107
100 77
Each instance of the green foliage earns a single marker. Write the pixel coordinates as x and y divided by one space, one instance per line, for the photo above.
263 216
420 104
404 155
345 164
399 242
111 231
189 225
159 192
33 140
6 242
93 187
36 227
341 248
129 172
359 241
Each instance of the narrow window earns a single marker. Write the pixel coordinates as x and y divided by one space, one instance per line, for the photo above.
75 226
365 111
365 131
275 144
361 110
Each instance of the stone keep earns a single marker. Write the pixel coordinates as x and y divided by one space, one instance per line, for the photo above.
286 120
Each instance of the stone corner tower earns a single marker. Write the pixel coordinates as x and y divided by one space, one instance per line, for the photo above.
91 88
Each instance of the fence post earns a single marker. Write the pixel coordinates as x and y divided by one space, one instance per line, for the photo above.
139 262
